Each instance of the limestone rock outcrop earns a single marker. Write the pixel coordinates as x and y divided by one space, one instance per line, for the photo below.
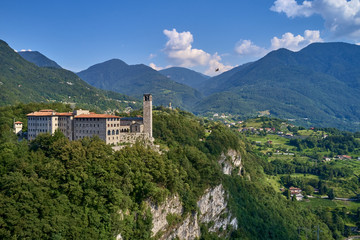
230 161
212 207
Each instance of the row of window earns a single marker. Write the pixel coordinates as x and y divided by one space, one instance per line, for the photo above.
97 119
87 131
87 125
113 138
113 132
114 125
41 118
37 130
39 124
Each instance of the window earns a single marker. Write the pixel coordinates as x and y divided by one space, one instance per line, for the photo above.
113 132
117 132
109 132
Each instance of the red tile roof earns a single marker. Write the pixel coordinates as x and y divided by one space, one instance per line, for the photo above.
40 114
94 115
46 110
49 112
64 114
18 122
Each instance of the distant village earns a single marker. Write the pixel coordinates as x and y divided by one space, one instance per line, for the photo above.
231 121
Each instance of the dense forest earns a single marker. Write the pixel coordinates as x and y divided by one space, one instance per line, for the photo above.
51 188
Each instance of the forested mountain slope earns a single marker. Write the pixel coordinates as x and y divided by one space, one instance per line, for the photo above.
56 189
135 80
23 82
185 76
38 59
320 83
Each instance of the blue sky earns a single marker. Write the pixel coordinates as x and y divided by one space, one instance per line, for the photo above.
202 35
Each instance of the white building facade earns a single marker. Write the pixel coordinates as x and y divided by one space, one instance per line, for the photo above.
82 123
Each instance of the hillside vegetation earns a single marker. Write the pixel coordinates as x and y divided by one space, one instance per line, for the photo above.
185 76
24 82
38 59
51 188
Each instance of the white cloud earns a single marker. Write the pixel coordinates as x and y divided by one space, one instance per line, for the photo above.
248 48
153 66
287 40
24 50
292 9
342 17
179 50
295 43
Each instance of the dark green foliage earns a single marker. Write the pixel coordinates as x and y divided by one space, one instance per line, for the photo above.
264 217
51 188
23 82
321 169
331 194
74 190
58 189
18 113
135 80
342 143
183 133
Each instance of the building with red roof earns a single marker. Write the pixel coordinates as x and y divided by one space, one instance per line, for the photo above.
83 123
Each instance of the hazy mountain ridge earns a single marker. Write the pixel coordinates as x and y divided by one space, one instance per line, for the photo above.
134 80
320 82
185 76
38 59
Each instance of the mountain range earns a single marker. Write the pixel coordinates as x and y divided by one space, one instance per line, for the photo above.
22 82
318 85
134 80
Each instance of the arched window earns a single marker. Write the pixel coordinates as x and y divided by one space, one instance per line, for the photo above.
109 132
117 132
113 132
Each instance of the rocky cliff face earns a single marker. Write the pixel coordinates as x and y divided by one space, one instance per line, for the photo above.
230 161
170 222
213 209
171 206
213 212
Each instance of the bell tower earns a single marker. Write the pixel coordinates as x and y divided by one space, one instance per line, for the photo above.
147 114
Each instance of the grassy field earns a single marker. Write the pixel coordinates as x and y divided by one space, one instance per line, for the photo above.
310 133
321 203
353 164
